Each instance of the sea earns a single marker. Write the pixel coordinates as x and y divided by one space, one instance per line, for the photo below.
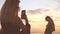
43 33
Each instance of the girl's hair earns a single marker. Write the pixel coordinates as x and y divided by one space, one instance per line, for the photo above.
48 18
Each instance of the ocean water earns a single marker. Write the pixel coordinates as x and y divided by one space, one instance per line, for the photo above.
43 33
37 33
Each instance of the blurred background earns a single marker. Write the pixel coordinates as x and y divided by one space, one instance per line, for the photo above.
37 10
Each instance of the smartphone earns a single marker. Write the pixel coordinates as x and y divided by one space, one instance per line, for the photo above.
23 14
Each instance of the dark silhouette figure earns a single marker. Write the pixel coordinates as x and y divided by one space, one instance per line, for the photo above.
24 16
11 23
27 26
50 26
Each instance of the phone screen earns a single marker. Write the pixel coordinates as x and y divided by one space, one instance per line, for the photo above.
23 14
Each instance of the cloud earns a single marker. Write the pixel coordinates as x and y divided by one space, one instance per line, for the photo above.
37 11
57 1
35 0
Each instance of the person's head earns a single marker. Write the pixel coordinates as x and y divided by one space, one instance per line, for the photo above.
48 18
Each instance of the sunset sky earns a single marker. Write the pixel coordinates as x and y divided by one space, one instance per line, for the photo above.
37 10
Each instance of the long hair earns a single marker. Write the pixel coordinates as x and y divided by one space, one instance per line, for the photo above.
9 9
50 25
49 19
9 12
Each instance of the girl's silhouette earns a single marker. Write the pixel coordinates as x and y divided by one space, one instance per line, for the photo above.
50 26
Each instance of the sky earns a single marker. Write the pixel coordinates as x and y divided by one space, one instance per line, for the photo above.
35 4
38 10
